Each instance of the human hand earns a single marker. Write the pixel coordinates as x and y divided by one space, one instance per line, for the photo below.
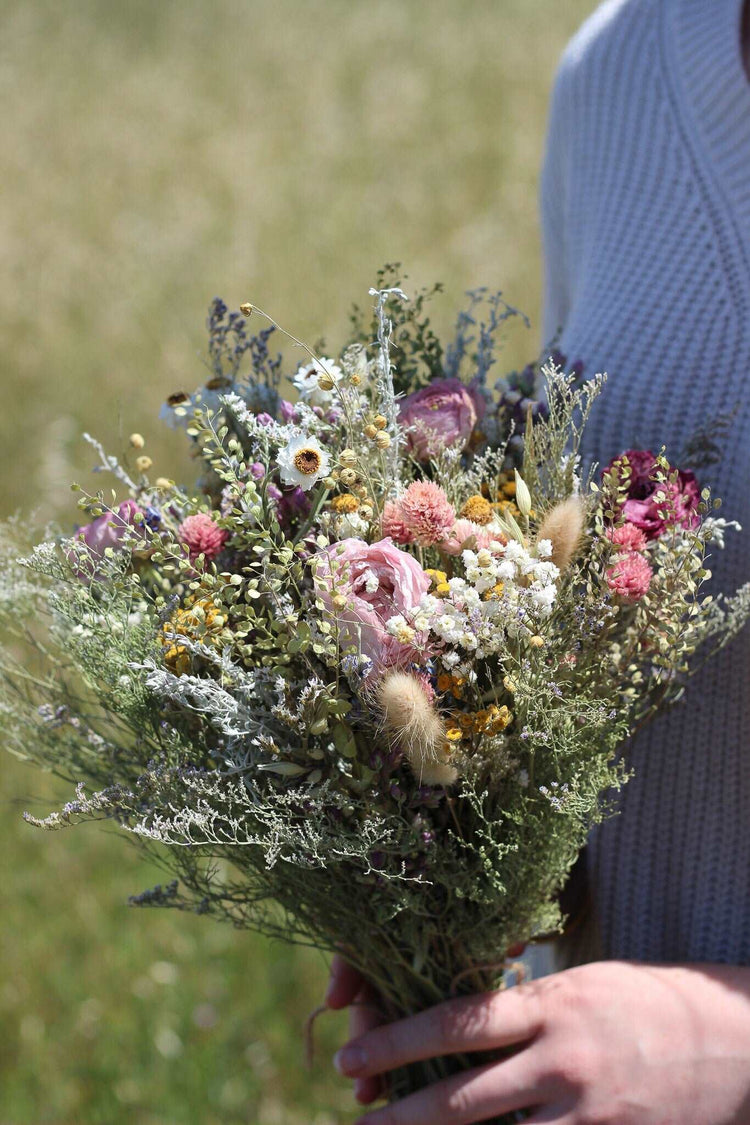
347 989
613 1042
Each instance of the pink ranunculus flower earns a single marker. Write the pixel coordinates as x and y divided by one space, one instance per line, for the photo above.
467 536
378 581
627 537
442 414
629 577
641 508
202 536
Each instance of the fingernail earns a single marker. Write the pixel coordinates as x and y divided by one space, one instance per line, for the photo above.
349 1060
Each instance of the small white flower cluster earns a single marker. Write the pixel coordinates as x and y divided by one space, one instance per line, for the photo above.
504 594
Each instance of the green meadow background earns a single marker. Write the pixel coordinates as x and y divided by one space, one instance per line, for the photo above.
156 153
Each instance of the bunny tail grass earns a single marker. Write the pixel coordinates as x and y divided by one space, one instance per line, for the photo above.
410 719
563 526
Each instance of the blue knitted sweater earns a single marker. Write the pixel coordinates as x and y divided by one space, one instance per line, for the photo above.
646 219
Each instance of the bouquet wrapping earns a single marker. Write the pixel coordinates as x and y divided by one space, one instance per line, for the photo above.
364 685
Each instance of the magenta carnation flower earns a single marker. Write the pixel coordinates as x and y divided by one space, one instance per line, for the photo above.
679 507
202 536
630 576
442 414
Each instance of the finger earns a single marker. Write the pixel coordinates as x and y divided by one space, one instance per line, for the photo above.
364 1015
553 1115
367 1090
475 1095
343 985
471 1023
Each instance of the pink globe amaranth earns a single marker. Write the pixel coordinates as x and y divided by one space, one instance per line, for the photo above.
627 537
427 512
630 576
202 536
393 525
641 508
379 581
440 415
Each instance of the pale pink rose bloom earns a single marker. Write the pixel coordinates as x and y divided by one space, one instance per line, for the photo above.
442 414
379 582
392 524
629 577
628 536
108 530
427 512
202 536
467 536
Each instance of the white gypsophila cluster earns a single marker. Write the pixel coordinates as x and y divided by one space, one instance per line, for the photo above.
91 624
344 525
262 432
306 382
506 593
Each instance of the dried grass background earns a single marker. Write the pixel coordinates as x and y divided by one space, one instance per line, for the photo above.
156 154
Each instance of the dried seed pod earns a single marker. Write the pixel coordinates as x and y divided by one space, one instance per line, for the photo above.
410 719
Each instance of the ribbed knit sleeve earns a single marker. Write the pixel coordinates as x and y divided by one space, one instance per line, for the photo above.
552 196
645 203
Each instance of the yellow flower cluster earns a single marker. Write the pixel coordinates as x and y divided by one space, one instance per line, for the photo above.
201 621
477 509
490 720
439 581
345 503
495 591
454 684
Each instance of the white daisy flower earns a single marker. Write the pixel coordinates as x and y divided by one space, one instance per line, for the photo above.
302 462
307 381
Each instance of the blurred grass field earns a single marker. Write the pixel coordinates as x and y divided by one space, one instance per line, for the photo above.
154 155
